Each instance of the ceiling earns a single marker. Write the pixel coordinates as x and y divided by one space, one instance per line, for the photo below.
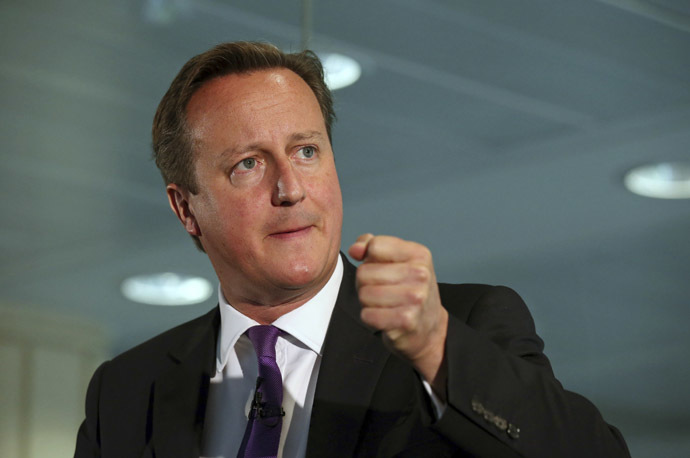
497 133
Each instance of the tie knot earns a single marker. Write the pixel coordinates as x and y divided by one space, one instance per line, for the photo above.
264 339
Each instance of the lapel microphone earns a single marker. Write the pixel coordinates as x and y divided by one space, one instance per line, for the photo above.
268 414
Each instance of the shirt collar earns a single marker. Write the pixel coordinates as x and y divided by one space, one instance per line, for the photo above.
307 323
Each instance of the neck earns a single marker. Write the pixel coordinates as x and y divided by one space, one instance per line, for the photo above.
266 308
268 313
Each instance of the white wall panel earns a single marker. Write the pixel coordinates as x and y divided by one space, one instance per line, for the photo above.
46 362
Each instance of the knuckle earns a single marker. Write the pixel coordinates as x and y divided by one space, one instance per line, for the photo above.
408 320
416 296
425 253
420 273
420 252
395 336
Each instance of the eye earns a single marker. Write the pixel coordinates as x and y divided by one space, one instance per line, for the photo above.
248 171
247 164
307 151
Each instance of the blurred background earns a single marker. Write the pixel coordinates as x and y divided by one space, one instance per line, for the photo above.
496 132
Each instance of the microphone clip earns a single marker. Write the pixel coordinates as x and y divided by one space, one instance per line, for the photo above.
269 414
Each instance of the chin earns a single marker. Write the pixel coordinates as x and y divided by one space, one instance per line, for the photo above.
301 274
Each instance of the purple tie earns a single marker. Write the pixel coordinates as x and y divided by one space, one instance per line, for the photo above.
262 436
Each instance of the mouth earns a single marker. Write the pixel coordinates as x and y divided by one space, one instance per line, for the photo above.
292 232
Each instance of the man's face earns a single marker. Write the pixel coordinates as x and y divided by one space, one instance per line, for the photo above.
268 210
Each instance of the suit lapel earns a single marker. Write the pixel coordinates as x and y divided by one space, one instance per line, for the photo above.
354 356
180 394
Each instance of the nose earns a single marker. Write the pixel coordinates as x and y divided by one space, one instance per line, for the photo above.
288 189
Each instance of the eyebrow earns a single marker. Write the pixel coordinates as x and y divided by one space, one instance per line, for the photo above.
300 136
296 137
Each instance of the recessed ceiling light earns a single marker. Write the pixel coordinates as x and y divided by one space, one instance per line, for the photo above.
166 289
339 70
665 180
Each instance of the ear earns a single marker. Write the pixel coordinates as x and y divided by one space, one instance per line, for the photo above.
179 200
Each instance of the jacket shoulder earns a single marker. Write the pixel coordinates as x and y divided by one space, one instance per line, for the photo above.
172 345
459 298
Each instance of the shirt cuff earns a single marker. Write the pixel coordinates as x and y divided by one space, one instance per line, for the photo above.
439 405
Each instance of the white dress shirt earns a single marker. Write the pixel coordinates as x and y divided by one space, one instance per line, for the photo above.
298 355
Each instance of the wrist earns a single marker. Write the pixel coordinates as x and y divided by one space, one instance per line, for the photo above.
431 363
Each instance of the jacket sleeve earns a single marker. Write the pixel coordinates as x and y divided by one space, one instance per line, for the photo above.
500 380
88 440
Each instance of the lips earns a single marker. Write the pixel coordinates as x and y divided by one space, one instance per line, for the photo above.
292 232
292 224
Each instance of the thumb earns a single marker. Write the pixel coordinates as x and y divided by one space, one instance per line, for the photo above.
358 250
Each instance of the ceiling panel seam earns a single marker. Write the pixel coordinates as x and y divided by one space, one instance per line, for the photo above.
653 12
534 42
424 73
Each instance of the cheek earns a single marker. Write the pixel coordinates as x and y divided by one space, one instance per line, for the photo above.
331 201
226 215
328 186
238 217
327 195
335 196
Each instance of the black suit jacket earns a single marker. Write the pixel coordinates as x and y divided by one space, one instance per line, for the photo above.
503 400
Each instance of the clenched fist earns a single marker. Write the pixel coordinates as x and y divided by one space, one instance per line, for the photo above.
399 296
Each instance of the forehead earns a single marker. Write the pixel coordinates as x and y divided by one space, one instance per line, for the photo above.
247 98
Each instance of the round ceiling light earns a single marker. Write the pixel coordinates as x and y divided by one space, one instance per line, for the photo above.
166 289
665 180
339 70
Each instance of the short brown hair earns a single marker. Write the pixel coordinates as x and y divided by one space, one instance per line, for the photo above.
172 146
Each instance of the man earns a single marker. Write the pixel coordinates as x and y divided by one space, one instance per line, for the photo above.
378 360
